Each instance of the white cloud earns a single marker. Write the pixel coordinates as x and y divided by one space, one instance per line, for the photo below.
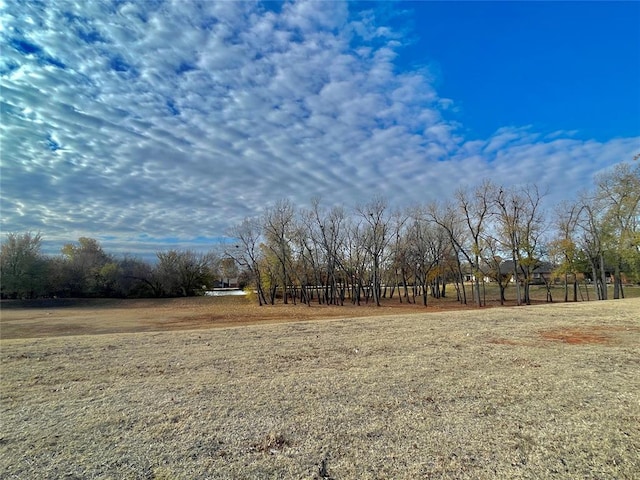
178 119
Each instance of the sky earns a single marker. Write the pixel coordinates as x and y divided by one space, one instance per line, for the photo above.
161 124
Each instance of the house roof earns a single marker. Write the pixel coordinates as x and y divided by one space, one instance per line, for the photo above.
506 267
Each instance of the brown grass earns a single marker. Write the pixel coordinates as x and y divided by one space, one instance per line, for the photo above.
477 394
60 317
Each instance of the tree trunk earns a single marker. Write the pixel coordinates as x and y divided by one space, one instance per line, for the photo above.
617 282
595 279
603 276
405 284
376 282
547 285
515 277
464 290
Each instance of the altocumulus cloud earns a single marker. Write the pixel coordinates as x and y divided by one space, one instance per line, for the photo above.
142 121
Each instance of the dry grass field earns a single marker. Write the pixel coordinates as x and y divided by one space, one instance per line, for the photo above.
40 318
149 390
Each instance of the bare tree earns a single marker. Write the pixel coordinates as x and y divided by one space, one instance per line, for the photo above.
309 240
426 249
521 224
448 217
331 239
592 243
376 238
494 264
476 210
564 246
398 265
532 233
308 266
278 230
247 253
356 258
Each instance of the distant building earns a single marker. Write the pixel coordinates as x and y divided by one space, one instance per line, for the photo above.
543 273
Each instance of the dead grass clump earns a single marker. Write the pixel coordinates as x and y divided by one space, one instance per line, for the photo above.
272 443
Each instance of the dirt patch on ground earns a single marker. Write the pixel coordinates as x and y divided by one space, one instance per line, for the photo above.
598 334
576 336
584 335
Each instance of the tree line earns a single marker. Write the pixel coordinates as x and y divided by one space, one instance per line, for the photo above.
491 233
84 269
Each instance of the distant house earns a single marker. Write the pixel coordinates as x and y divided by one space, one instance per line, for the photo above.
226 283
223 287
543 273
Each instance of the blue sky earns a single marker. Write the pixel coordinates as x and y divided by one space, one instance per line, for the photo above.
153 124
551 65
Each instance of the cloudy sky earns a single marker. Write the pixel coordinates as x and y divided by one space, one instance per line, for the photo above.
148 124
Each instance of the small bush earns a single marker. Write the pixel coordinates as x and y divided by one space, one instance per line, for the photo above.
251 294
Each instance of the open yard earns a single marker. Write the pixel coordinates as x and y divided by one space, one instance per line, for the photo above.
146 389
